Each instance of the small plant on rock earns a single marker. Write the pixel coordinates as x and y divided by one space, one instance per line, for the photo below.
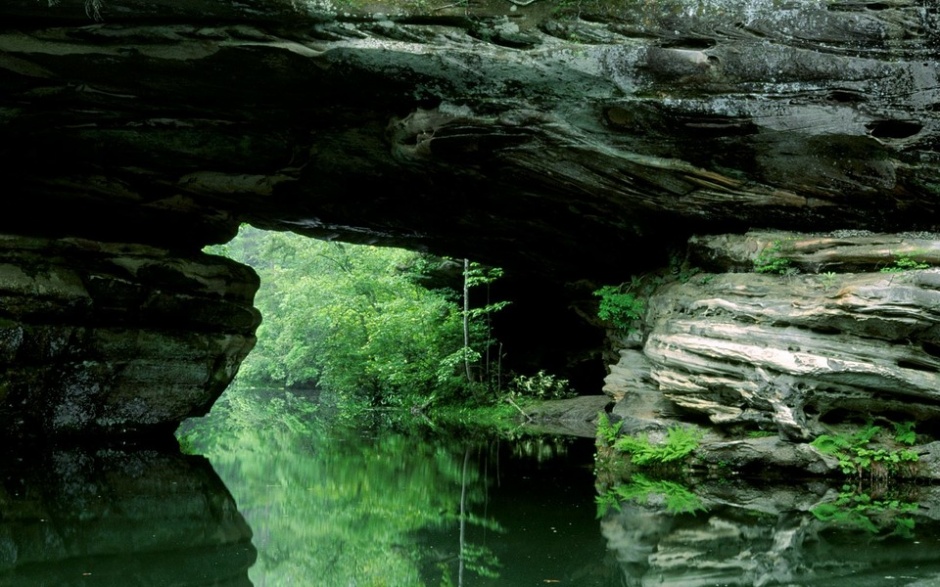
771 260
619 307
905 263
606 430
829 279
904 433
859 454
679 443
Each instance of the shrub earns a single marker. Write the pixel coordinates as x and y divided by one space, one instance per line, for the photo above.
770 260
541 385
618 307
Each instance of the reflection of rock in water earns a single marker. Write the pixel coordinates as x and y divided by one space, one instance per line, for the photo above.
108 517
749 543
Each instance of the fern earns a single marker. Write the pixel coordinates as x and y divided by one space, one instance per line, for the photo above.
679 443
606 431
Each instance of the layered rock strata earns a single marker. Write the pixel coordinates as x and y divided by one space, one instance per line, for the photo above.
536 137
790 352
108 338
494 131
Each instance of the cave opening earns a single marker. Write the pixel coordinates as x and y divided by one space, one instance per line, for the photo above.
316 293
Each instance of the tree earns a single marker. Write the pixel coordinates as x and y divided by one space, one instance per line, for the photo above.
351 320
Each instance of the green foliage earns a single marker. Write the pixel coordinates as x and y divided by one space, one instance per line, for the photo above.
481 369
857 455
771 260
350 320
905 263
904 433
497 415
619 307
541 386
607 431
679 443
829 279
862 511
676 498
338 505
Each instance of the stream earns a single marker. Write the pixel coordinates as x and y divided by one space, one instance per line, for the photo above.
270 490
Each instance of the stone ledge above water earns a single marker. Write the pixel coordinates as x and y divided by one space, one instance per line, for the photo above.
796 354
116 339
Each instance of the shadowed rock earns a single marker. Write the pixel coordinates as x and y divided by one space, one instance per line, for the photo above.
105 516
106 338
560 141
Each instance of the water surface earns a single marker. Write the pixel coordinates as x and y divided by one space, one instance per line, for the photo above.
361 503
278 493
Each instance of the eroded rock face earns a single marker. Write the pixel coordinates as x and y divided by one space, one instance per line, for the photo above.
498 132
107 338
788 351
539 138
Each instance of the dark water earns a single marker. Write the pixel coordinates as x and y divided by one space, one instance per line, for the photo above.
286 496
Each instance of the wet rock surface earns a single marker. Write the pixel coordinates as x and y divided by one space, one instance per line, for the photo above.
494 131
574 416
786 352
110 515
540 138
107 338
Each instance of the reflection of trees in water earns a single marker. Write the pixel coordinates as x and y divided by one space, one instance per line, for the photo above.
769 536
337 504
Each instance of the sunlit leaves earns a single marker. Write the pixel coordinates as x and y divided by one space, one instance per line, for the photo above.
348 319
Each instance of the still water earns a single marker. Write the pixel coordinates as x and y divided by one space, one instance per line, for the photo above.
271 491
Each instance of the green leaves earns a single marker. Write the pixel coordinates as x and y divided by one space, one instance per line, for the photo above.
904 433
541 385
853 508
905 263
676 498
679 443
771 260
620 308
606 431
856 455
347 319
